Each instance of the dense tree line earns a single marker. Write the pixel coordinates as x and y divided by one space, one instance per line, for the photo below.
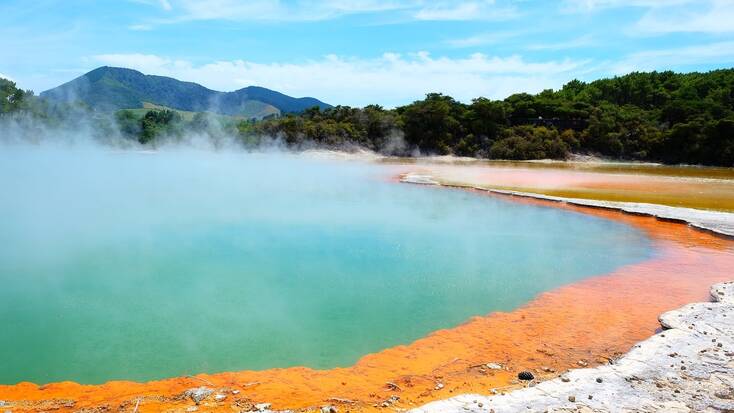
657 116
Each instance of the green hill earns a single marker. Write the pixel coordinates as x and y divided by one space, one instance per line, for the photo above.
254 109
109 89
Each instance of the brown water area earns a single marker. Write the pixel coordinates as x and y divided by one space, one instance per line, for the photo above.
585 323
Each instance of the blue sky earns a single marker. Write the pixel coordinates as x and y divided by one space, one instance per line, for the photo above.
358 52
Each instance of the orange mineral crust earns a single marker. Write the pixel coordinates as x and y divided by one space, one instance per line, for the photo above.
585 323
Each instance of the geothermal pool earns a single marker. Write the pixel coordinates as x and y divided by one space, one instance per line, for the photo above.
140 266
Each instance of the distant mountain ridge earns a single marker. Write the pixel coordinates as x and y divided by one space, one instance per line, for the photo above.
113 88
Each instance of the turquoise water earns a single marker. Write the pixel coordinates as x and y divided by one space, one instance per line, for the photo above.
125 265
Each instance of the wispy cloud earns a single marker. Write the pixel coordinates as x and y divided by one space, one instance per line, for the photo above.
483 39
582 41
3 76
466 10
390 79
140 27
668 16
313 10
715 16
274 10
163 4
676 58
585 6
139 61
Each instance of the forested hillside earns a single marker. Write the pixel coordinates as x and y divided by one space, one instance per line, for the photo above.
658 116
109 89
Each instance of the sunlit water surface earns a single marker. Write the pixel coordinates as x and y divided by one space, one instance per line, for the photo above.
129 265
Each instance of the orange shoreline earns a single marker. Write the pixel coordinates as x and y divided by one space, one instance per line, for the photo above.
587 322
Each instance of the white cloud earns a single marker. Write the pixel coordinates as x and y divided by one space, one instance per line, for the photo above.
3 76
276 10
483 39
582 41
142 62
595 5
669 16
390 79
715 16
313 10
466 10
140 27
713 53
163 4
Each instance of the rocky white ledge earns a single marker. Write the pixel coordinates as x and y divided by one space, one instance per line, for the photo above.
715 221
687 367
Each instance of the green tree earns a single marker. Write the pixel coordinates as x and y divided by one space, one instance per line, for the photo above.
157 123
433 124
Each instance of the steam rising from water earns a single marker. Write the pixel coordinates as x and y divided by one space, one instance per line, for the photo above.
130 264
